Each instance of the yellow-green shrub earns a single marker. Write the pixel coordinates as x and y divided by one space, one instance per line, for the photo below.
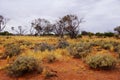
11 50
101 61
79 50
62 44
22 65
44 46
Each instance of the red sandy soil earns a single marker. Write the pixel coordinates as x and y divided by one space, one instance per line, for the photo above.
73 69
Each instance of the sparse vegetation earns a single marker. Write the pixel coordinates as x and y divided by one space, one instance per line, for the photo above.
23 42
37 45
54 51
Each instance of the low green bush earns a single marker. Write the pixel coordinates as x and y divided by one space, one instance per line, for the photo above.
23 42
101 61
80 50
107 46
43 47
22 65
50 58
62 44
98 34
5 33
11 50
109 34
79 36
117 48
117 36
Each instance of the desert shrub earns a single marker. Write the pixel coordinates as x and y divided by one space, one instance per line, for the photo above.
114 43
62 44
92 43
117 36
117 48
84 33
108 34
107 46
11 50
79 50
99 34
101 42
5 33
43 47
22 65
50 58
23 42
90 34
104 44
96 43
79 36
101 61
87 33
48 73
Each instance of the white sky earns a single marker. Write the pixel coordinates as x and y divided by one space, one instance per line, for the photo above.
100 15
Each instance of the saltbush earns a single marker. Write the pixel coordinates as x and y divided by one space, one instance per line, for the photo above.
107 46
117 48
62 44
79 50
50 58
43 47
22 65
11 50
101 61
23 42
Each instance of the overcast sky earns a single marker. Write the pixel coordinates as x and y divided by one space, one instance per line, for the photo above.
100 15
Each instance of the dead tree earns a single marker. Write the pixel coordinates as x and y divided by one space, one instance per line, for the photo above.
117 29
32 30
3 22
71 25
19 31
42 26
59 29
